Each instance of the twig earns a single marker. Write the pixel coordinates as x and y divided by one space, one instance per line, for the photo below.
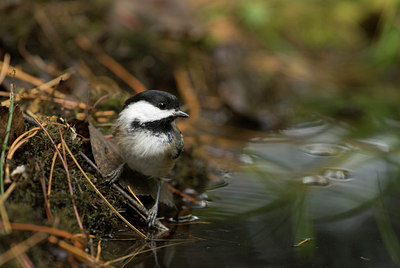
3 151
5 218
39 228
71 191
4 67
77 252
3 211
56 96
69 104
101 195
35 60
141 210
133 255
137 206
98 250
188 197
120 71
143 251
21 75
45 197
112 65
24 261
134 195
100 100
48 85
21 247
10 189
186 90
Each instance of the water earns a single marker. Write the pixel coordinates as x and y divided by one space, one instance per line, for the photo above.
309 196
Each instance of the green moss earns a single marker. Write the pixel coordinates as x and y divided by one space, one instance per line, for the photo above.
27 201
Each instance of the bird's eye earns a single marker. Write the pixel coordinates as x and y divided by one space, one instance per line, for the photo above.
162 105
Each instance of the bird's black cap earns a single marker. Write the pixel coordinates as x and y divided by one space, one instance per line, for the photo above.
161 99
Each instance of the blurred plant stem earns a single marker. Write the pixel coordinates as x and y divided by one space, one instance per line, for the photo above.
5 141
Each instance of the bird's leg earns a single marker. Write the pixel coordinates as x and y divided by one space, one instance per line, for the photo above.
110 177
153 246
154 210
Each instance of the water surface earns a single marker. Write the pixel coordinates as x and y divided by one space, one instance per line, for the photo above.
309 196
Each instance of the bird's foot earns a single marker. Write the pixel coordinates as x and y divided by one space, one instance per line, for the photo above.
151 219
115 174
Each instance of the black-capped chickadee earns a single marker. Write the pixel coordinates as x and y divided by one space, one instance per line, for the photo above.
147 137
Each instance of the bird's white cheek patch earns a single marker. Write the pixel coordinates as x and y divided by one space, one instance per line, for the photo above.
142 111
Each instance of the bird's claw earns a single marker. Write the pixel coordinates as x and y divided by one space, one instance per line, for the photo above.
151 219
114 175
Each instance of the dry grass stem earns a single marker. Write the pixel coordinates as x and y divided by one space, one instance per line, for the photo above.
134 195
111 64
78 253
66 170
42 229
5 218
101 195
35 60
24 261
13 148
188 197
16 144
3 211
100 100
98 253
138 200
45 197
53 162
7 193
20 248
47 87
143 251
71 191
4 67
120 71
187 92
68 104
21 75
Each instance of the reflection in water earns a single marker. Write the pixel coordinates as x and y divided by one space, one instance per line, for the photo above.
309 196
281 169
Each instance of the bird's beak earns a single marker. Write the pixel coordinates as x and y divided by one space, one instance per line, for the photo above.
179 113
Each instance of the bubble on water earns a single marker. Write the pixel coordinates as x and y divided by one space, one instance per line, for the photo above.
247 159
315 180
324 149
306 129
338 174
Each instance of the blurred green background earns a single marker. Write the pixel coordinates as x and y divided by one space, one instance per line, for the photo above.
257 64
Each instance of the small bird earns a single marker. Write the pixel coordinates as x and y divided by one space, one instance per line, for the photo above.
148 138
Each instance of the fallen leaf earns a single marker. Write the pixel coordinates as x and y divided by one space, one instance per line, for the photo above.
105 152
17 125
